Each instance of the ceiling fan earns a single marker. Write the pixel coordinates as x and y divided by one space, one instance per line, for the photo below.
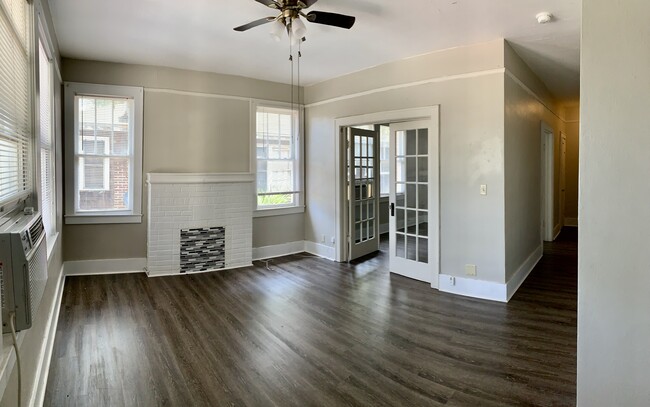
289 18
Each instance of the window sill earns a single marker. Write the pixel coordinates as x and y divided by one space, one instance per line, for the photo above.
95 219
50 245
261 213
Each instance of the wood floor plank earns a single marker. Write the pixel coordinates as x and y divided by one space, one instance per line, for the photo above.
306 331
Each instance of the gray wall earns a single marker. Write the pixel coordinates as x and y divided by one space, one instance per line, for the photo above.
572 131
183 132
471 146
523 116
614 219
30 348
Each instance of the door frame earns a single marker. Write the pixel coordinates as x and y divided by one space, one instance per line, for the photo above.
391 116
562 189
547 182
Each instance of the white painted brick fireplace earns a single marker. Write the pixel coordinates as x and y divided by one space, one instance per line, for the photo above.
196 205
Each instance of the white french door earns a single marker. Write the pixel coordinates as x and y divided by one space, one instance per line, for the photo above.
363 192
414 247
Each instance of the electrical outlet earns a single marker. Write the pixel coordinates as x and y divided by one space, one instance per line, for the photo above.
470 269
333 240
322 239
483 189
452 280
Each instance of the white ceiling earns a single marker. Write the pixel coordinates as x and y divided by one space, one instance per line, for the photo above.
198 35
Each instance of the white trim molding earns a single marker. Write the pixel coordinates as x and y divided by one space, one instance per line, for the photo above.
290 210
471 287
199 178
104 266
37 394
278 250
556 231
320 250
523 271
573 222
490 290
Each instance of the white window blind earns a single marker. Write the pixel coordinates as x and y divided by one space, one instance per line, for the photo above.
46 129
277 141
15 122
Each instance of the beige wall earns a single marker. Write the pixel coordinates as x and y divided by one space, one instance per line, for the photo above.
188 127
527 104
468 86
33 338
613 275
572 131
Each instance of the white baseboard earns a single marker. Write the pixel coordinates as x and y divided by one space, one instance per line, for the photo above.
320 250
570 221
45 356
470 287
105 266
556 230
284 249
523 271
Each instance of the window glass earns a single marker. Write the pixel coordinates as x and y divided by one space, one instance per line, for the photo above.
276 149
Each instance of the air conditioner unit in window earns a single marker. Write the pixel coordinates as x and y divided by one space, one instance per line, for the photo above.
23 268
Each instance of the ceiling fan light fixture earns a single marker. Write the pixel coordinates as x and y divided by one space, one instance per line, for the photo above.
298 28
277 30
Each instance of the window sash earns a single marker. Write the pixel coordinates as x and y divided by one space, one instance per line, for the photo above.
107 137
46 138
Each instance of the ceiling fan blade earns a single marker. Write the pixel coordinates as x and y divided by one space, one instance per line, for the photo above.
334 19
254 24
269 3
308 3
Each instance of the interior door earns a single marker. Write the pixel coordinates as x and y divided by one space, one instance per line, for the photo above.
413 201
363 192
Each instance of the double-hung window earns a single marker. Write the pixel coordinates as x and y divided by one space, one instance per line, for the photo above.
278 158
46 137
15 102
104 153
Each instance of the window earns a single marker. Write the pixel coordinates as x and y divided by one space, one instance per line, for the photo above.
46 137
277 153
104 153
384 157
15 102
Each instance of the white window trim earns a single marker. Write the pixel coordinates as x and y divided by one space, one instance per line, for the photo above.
42 32
299 206
72 89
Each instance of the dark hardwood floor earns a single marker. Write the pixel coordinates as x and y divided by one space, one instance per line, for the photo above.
308 332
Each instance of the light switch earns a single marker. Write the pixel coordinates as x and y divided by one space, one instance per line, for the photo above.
483 189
